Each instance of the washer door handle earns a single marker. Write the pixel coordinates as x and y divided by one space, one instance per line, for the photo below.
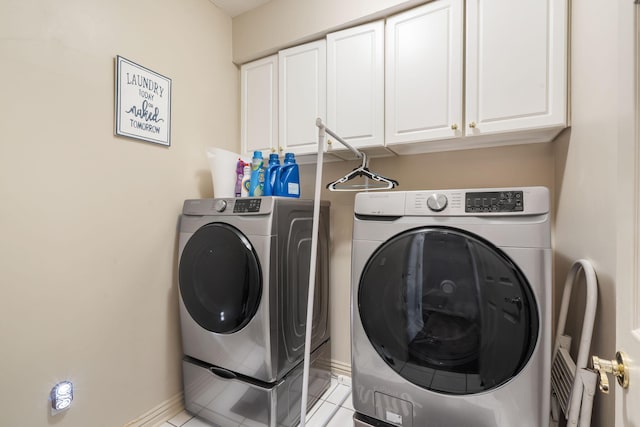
517 301
223 373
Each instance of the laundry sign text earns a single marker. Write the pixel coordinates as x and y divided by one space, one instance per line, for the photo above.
143 103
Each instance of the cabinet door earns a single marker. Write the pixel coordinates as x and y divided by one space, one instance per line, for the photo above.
355 85
303 95
259 105
516 65
424 73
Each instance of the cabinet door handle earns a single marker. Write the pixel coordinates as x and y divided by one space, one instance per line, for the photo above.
454 126
472 125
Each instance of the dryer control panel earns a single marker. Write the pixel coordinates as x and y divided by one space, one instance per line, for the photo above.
494 201
466 202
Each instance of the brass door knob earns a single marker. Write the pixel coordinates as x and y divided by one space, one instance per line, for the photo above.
454 126
472 125
617 367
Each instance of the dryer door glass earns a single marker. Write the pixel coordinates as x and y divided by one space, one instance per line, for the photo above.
220 278
447 310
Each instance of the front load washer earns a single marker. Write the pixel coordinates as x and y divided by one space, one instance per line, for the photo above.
243 281
451 308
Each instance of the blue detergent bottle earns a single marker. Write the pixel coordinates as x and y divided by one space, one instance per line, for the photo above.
271 175
256 185
289 182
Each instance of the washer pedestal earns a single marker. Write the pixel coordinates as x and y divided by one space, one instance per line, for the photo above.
229 400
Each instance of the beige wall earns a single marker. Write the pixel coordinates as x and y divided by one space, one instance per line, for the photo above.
587 166
88 254
88 220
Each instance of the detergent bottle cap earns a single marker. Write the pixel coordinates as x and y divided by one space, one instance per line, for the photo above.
257 154
273 158
289 158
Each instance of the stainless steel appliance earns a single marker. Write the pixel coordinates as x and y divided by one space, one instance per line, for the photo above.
451 308
243 278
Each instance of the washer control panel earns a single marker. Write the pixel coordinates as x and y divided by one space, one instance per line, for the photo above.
228 206
494 201
247 205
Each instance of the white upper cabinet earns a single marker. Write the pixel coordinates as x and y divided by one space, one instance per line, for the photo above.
516 66
424 73
259 101
514 73
447 75
303 95
355 87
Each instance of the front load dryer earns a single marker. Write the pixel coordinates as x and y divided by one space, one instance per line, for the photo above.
451 308
243 282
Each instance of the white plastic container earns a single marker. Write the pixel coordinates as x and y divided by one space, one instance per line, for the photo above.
223 171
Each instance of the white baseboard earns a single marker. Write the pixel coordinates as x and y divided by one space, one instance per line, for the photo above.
173 406
340 368
161 413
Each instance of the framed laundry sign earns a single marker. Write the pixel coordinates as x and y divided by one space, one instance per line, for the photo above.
143 103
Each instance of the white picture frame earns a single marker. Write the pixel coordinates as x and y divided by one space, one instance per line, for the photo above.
143 103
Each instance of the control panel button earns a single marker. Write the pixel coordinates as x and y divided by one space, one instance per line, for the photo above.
220 205
437 202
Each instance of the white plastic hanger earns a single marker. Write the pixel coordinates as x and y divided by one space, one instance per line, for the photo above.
378 182
372 181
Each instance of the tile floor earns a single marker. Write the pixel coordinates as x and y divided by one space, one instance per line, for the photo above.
334 409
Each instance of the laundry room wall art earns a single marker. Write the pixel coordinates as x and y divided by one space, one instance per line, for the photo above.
143 103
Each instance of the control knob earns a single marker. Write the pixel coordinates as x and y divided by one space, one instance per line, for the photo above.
220 205
437 202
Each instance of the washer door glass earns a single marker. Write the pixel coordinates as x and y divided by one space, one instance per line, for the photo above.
448 311
220 278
